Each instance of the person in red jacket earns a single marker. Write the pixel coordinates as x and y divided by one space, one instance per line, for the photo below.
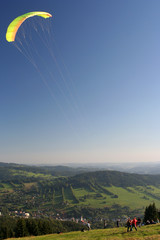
134 223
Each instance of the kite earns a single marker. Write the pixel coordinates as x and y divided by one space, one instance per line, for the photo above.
16 23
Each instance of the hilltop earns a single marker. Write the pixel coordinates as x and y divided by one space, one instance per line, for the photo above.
145 232
59 170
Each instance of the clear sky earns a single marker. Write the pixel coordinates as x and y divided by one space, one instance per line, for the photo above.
95 96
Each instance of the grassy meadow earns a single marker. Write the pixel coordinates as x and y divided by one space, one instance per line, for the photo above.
133 197
151 232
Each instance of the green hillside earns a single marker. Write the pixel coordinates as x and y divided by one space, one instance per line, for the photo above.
5 168
100 194
145 232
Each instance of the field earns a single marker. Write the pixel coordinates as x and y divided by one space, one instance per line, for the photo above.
133 197
145 232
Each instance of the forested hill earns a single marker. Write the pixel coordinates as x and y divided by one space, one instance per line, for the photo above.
115 178
76 177
10 170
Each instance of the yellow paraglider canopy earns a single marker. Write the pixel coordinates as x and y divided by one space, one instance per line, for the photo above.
16 23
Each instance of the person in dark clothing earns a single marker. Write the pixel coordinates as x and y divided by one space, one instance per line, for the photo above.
139 222
118 220
129 225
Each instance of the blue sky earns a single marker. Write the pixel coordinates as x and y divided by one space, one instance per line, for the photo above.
101 102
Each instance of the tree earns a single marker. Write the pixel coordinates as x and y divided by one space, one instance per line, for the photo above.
151 213
32 227
21 230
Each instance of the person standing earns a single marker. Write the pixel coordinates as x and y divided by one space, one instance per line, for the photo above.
118 220
89 226
134 223
128 224
139 222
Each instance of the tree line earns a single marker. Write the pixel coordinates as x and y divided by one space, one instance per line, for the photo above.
21 227
151 214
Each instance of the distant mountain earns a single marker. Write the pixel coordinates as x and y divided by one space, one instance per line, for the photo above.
152 168
5 168
115 178
77 175
130 167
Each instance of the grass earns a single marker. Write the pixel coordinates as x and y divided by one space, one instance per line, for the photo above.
135 198
68 195
151 232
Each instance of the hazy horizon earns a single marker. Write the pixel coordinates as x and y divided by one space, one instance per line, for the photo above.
91 164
